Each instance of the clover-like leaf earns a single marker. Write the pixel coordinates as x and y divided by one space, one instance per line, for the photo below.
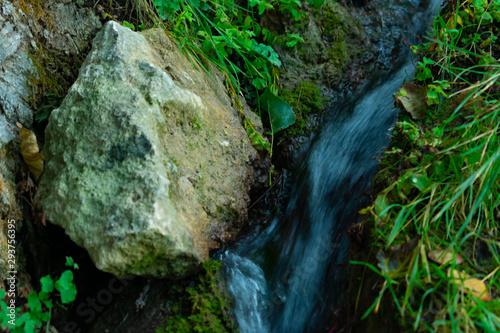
34 302
47 284
66 287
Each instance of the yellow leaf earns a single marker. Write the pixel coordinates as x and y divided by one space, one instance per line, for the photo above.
470 285
444 256
30 151
451 22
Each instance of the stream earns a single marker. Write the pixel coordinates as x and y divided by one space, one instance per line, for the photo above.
289 276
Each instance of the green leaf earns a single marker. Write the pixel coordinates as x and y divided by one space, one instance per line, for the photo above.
34 302
71 263
381 204
398 225
439 168
43 295
47 284
48 304
2 294
280 113
316 3
46 316
29 326
419 181
259 83
66 287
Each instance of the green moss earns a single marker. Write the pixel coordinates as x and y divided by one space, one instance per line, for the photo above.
305 99
331 20
37 10
202 306
341 31
337 53
49 83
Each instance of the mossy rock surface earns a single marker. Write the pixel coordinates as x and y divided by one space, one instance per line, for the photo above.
144 157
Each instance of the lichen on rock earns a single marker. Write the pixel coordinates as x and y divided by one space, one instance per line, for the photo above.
144 155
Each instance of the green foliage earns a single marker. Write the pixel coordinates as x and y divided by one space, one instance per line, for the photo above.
40 303
256 138
304 99
435 90
439 184
204 307
424 72
230 36
128 25
280 113
50 102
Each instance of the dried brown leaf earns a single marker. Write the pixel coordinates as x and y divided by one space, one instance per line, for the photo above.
470 285
412 98
30 151
444 256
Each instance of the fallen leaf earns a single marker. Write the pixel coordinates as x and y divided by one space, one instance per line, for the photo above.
470 285
444 256
396 257
412 98
30 151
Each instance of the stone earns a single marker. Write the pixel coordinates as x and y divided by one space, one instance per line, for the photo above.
15 67
20 39
135 169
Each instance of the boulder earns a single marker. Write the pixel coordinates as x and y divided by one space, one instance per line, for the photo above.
144 157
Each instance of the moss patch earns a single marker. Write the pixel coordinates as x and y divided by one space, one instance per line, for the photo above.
305 100
200 306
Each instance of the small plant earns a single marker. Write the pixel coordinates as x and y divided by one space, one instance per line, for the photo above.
229 36
435 90
423 71
128 25
40 304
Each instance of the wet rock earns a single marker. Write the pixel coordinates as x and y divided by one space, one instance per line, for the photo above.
144 156
15 66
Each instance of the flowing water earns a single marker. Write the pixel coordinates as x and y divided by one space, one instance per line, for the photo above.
288 277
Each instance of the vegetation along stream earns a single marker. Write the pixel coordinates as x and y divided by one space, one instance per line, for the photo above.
289 278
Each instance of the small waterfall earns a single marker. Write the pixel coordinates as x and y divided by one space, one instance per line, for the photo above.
288 278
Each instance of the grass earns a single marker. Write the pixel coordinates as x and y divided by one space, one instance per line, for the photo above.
435 220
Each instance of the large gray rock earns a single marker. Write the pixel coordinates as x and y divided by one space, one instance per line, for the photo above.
144 156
